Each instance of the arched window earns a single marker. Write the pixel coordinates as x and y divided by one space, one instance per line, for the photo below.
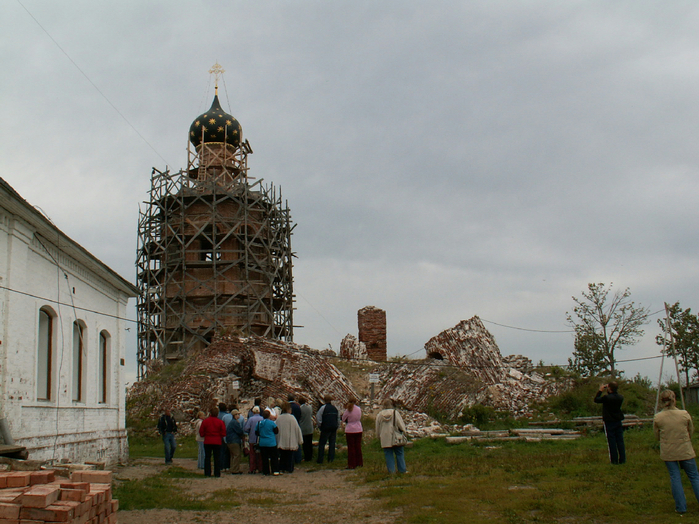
79 352
44 355
103 365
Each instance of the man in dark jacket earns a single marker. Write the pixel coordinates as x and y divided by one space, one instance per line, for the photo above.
612 417
167 428
328 419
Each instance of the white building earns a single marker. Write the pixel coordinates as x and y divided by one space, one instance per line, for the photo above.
62 341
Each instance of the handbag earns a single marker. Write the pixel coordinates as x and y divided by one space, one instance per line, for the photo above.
399 438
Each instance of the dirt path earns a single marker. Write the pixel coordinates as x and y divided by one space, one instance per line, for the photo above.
306 496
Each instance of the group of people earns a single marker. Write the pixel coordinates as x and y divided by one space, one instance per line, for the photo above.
277 437
673 427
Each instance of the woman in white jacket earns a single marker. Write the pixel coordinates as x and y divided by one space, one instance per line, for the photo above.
673 428
389 423
289 438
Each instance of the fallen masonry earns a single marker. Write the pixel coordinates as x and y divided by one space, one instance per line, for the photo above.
261 368
463 368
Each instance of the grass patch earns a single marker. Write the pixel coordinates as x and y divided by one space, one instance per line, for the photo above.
141 446
549 481
160 492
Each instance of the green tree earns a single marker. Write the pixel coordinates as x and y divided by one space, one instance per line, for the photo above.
684 326
603 324
588 357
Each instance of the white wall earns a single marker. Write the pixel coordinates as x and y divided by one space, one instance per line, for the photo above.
60 427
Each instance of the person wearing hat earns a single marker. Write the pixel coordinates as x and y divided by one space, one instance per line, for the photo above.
250 428
234 441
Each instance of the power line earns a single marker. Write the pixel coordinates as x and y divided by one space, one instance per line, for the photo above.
68 305
93 84
526 329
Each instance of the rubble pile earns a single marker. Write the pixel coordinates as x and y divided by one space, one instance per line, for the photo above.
351 348
519 391
463 368
472 372
518 362
421 425
261 367
429 386
37 496
468 346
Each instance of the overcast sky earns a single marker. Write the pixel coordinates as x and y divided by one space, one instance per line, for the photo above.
441 159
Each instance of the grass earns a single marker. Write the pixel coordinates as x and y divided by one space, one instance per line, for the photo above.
509 482
152 446
163 492
517 482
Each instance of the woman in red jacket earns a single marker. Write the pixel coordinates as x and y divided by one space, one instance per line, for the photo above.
214 431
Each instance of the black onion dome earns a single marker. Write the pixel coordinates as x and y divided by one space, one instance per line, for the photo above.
217 126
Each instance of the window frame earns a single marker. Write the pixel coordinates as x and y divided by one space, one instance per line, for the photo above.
46 341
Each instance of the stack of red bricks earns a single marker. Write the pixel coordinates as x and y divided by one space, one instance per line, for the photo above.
35 497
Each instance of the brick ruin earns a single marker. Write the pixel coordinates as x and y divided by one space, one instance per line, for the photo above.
371 345
372 332
260 366
462 367
471 370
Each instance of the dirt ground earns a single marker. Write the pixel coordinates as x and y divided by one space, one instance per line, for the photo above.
306 496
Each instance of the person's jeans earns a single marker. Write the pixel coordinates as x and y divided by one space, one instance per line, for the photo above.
690 468
200 456
327 435
399 452
170 446
615 441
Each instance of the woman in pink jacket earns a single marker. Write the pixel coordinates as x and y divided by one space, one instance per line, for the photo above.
352 418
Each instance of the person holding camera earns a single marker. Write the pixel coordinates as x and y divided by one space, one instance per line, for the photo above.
612 417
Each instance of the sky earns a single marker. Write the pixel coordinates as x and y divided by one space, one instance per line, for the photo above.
440 159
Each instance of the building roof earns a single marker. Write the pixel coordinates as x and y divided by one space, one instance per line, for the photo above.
216 126
15 204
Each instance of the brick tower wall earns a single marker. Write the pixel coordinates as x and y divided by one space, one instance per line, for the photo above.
372 332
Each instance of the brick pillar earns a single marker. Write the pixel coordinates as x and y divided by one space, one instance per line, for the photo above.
372 332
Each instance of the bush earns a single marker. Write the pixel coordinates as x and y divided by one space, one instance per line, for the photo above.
639 398
477 415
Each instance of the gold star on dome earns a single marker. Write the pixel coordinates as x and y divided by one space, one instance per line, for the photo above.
229 123
235 132
220 128
196 124
203 128
220 116
191 133
212 121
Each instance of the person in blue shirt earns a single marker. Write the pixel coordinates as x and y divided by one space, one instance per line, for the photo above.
267 439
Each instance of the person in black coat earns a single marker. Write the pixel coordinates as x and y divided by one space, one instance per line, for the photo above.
328 419
612 417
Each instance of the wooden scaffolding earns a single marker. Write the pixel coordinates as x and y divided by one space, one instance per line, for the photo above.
214 255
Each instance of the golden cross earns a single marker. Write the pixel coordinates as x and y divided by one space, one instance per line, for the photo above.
217 70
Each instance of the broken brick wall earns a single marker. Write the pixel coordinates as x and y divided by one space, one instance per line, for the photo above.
262 367
470 347
372 332
351 348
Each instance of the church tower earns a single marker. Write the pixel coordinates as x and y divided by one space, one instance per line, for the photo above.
214 248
